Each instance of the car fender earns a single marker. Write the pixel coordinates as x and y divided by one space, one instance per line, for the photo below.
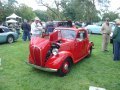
56 61
10 35
91 44
4 36
14 34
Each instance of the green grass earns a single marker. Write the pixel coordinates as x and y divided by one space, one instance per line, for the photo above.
99 70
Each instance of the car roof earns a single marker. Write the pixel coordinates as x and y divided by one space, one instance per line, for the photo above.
71 28
3 27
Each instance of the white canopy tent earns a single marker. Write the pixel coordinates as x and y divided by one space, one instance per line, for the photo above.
13 16
11 21
16 18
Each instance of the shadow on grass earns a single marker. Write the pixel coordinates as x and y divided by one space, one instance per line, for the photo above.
45 73
55 74
4 43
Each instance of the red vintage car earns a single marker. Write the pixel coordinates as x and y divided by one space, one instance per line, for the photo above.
64 47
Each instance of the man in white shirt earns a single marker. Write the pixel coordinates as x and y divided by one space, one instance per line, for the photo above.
36 27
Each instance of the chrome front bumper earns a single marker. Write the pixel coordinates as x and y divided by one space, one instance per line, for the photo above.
43 68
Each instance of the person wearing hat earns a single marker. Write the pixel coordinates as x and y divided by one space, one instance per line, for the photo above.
105 30
36 27
116 41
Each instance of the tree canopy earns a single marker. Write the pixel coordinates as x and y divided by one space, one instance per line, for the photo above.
76 10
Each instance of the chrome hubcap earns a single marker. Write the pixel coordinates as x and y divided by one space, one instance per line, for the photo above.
66 66
10 39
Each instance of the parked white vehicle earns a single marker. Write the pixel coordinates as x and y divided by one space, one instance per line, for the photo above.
96 29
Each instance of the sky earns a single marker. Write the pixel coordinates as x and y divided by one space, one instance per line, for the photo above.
32 3
115 4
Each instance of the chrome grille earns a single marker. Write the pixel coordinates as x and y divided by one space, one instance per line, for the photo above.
36 55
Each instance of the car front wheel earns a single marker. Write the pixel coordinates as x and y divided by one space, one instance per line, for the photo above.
10 39
65 68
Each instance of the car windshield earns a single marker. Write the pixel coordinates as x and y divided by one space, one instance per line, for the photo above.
67 34
6 30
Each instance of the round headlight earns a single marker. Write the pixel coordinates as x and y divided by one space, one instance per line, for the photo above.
55 51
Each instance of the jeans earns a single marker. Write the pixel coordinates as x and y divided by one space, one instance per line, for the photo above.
116 51
25 35
18 31
49 30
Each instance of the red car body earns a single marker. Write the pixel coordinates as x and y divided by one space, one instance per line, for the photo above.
64 47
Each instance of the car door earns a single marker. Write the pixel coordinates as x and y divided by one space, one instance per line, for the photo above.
2 35
53 36
81 45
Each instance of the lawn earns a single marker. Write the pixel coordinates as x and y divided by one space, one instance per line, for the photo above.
99 70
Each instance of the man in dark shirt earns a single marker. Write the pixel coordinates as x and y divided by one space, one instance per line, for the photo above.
116 41
26 30
49 27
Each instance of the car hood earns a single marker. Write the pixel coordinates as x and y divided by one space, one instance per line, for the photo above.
39 42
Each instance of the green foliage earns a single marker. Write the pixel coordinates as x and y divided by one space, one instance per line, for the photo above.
22 10
51 15
7 8
76 10
99 70
111 15
25 12
85 10
41 14
68 9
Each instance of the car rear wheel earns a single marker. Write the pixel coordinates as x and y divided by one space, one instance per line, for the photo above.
65 68
10 39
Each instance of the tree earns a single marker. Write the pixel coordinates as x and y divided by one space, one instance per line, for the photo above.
68 9
25 12
85 9
40 2
104 5
41 14
7 8
111 15
1 12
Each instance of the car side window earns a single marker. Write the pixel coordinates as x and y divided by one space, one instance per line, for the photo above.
1 30
81 35
6 30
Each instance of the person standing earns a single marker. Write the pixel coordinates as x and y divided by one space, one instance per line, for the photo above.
17 28
116 41
26 30
49 27
36 27
105 30
69 23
